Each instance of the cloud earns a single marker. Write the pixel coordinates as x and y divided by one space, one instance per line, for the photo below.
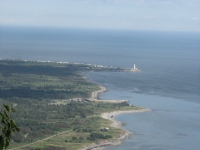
195 18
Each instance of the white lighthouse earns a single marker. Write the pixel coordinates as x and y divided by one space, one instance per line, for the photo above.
134 68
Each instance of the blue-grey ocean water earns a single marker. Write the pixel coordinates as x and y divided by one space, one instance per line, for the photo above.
169 81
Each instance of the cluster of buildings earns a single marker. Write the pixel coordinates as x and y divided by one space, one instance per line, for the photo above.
77 100
55 102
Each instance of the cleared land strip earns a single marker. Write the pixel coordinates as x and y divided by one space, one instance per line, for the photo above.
41 140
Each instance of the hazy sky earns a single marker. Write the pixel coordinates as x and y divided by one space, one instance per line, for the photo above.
172 15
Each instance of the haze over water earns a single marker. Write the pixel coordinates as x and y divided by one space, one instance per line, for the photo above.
169 82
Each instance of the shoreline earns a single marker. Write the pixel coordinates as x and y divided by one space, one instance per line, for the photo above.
115 123
94 96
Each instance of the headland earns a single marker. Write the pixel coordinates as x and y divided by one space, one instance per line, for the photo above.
78 115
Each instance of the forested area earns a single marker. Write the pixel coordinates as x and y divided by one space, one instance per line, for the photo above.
31 87
39 120
34 80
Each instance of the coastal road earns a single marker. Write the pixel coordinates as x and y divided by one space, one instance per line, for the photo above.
41 140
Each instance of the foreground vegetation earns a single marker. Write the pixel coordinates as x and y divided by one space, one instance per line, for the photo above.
42 94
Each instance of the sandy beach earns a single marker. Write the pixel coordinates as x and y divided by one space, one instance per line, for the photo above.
116 124
94 96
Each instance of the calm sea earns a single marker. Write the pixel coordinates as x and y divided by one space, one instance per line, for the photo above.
169 81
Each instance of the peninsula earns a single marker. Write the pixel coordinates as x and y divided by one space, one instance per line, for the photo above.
58 108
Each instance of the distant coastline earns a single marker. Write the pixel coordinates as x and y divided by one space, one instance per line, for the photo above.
87 66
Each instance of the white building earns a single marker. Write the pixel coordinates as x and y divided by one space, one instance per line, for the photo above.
134 68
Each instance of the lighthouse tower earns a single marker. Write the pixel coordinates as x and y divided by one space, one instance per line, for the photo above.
134 67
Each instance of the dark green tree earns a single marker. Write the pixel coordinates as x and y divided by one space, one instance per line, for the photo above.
7 126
